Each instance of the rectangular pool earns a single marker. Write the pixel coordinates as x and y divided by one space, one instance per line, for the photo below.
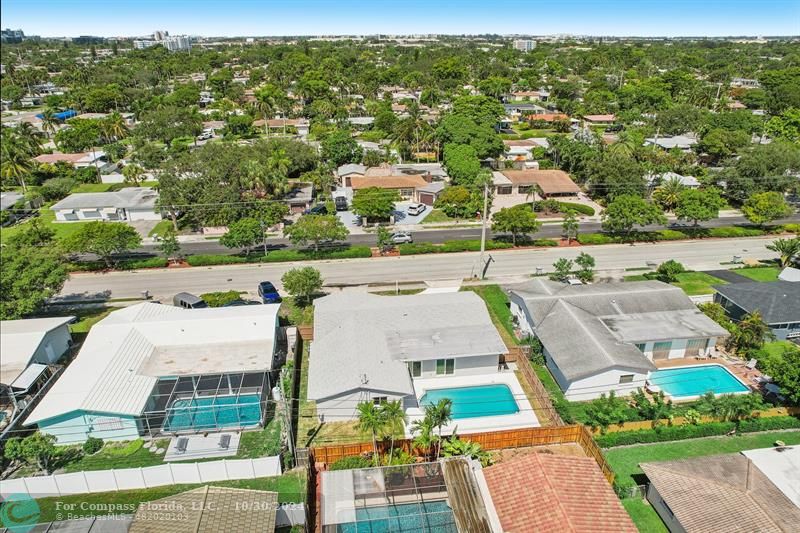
427 517
477 401
214 412
688 382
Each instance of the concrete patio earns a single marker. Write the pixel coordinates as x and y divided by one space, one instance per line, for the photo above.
202 447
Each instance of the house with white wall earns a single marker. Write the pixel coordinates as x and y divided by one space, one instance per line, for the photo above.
368 347
156 370
603 337
128 204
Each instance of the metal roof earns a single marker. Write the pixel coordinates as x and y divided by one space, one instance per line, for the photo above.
19 340
126 352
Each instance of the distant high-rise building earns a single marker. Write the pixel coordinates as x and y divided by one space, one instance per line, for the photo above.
524 45
178 43
11 36
141 44
160 35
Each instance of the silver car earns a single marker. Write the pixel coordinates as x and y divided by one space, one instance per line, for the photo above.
402 237
416 209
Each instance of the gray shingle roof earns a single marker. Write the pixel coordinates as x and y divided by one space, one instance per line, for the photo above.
364 340
129 198
778 301
587 329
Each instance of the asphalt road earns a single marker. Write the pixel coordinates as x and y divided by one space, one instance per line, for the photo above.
439 235
507 266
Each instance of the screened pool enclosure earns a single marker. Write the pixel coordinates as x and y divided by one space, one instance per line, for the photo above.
192 404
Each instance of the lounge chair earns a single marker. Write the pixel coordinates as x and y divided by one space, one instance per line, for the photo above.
751 364
224 441
182 444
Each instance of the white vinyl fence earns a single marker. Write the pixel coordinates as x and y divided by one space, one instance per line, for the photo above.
141 478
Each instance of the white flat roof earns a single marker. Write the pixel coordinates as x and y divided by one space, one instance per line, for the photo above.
126 352
781 467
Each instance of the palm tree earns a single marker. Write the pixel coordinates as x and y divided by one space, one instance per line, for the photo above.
114 127
789 250
15 159
441 413
750 333
395 419
666 195
133 173
49 121
31 136
425 438
370 420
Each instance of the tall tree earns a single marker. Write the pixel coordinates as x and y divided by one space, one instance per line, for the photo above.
627 211
104 239
315 229
369 419
520 221
765 207
698 205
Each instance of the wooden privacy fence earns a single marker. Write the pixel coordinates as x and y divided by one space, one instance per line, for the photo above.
306 332
492 440
541 397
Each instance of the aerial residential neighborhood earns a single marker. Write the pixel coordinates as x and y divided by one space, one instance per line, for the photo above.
349 267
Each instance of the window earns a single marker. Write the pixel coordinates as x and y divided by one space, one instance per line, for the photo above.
406 193
694 347
445 366
415 368
504 189
626 378
641 346
524 189
661 350
377 400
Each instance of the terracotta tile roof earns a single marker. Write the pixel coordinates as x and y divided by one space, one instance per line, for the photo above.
549 117
549 181
387 182
55 158
281 122
600 118
555 493
722 493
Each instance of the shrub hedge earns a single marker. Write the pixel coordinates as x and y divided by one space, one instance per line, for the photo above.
279 256
128 264
418 248
578 208
689 431
676 235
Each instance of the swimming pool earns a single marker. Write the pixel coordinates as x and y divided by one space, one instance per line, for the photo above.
688 382
477 401
214 412
428 517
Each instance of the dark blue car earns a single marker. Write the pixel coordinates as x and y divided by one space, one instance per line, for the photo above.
268 293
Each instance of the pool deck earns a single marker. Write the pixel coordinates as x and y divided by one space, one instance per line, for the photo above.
202 447
524 418
736 367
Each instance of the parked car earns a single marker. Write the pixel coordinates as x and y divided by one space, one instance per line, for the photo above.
188 301
205 135
268 293
416 209
341 203
318 209
402 237
357 220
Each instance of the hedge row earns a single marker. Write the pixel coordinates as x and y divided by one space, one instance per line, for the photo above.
464 246
128 264
676 235
578 208
689 431
279 256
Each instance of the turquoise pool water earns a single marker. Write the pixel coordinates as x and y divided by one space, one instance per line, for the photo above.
696 381
427 517
472 402
211 413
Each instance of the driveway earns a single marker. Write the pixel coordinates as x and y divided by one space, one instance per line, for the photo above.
729 276
143 227
402 218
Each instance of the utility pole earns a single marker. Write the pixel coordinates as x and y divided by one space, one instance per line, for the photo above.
483 225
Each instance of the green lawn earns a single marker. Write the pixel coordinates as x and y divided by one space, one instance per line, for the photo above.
625 460
88 317
296 314
160 228
497 303
262 443
93 187
644 516
291 487
695 283
130 454
692 283
760 273
437 216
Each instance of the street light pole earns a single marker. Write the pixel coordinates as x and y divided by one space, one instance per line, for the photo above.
483 225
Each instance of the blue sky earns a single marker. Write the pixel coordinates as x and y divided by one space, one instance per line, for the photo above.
313 17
